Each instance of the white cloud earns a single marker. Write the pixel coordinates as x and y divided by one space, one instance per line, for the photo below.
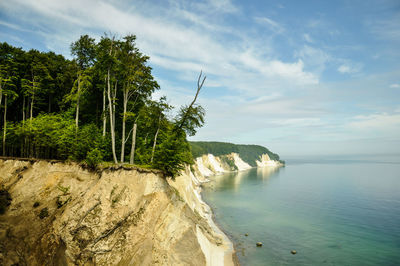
395 86
308 38
222 6
183 47
388 124
344 69
315 58
13 26
268 91
349 68
271 24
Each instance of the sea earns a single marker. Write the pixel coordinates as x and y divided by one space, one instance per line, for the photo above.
330 211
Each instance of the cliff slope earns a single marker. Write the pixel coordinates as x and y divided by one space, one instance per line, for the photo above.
209 164
248 153
62 214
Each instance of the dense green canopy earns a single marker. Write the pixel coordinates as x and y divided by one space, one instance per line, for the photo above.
95 107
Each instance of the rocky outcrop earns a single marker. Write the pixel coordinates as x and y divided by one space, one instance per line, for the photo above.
265 161
62 214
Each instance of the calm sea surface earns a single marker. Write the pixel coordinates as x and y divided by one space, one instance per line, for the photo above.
330 212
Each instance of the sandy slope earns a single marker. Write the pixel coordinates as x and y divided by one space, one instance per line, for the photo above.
112 217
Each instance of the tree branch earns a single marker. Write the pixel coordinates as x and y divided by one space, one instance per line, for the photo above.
199 86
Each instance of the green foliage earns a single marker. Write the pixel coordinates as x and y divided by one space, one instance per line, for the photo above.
192 118
43 97
84 51
64 190
251 153
200 148
116 197
88 138
94 158
173 153
229 161
54 136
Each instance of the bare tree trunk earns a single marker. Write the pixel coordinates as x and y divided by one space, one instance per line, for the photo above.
110 104
199 86
5 125
77 103
125 104
23 110
49 103
104 111
33 98
114 98
27 109
154 145
1 92
155 139
132 159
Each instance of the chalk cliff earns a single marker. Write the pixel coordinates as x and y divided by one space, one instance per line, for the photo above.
62 214
209 164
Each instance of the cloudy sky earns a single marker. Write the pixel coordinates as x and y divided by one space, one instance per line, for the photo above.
300 77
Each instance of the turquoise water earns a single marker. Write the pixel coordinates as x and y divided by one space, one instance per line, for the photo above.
331 213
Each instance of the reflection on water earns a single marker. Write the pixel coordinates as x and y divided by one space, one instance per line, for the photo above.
233 180
331 214
266 172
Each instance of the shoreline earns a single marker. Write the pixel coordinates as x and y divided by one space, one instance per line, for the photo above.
235 257
212 217
217 227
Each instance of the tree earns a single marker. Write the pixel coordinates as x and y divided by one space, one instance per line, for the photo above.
70 102
84 52
107 64
174 151
159 109
192 116
80 87
38 77
6 67
137 85
10 94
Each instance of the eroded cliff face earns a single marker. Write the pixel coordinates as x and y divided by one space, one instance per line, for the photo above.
62 214
209 164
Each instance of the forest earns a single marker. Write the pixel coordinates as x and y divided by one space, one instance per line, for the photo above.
96 107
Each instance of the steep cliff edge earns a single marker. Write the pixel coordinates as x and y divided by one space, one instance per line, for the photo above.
207 165
62 214
248 153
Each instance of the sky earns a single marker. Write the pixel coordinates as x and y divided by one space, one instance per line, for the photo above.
302 78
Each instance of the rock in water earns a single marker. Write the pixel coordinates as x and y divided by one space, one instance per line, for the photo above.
246 234
259 244
293 252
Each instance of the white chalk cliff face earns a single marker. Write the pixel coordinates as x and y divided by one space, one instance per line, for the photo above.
265 161
209 164
62 214
240 164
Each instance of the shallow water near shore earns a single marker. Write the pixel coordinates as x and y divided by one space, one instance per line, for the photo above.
331 213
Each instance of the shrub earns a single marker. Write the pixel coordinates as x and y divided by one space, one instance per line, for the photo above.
94 157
